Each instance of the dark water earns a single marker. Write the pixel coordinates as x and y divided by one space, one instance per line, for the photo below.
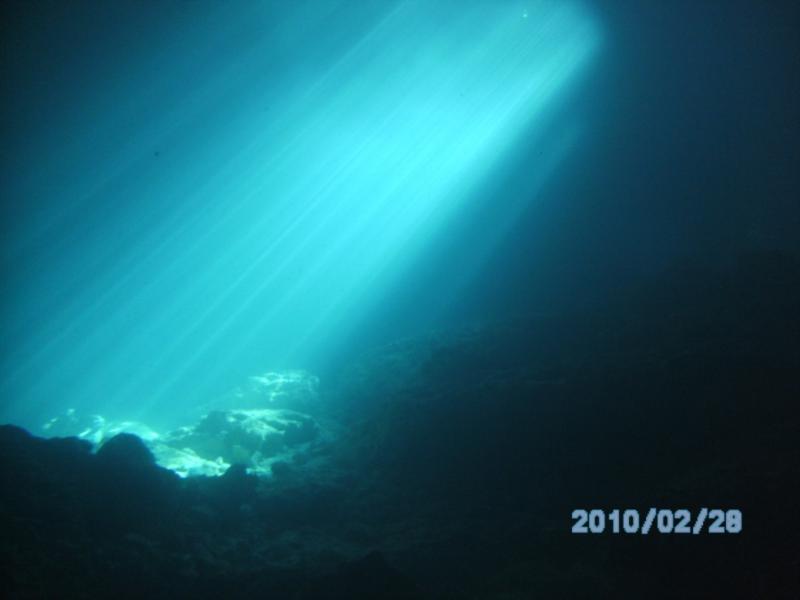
436 273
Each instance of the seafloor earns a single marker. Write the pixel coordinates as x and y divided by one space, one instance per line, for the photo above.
457 461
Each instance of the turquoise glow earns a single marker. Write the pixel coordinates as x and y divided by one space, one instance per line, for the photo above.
258 182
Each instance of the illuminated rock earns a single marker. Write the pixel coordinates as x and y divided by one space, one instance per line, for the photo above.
291 389
94 428
263 421
253 438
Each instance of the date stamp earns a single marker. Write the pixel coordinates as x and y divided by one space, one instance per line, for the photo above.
659 520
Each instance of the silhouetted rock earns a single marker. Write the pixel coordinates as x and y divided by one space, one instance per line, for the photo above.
125 450
464 455
370 578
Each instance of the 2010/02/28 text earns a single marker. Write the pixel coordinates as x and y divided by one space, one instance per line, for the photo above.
666 521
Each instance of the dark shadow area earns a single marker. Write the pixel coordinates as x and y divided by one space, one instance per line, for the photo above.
462 457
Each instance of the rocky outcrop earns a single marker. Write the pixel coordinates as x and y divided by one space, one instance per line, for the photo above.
113 523
254 438
457 462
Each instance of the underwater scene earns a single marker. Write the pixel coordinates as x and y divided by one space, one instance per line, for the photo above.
400 299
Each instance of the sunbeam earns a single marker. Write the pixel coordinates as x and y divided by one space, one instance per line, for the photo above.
286 206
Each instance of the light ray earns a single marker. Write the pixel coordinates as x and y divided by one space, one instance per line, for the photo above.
291 214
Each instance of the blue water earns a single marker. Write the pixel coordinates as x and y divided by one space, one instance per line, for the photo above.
399 298
236 190
198 192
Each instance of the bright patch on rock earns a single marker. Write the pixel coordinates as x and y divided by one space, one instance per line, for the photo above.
264 426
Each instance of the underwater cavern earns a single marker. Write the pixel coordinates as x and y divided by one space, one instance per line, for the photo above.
400 299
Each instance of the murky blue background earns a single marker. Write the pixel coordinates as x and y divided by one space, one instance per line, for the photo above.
196 192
